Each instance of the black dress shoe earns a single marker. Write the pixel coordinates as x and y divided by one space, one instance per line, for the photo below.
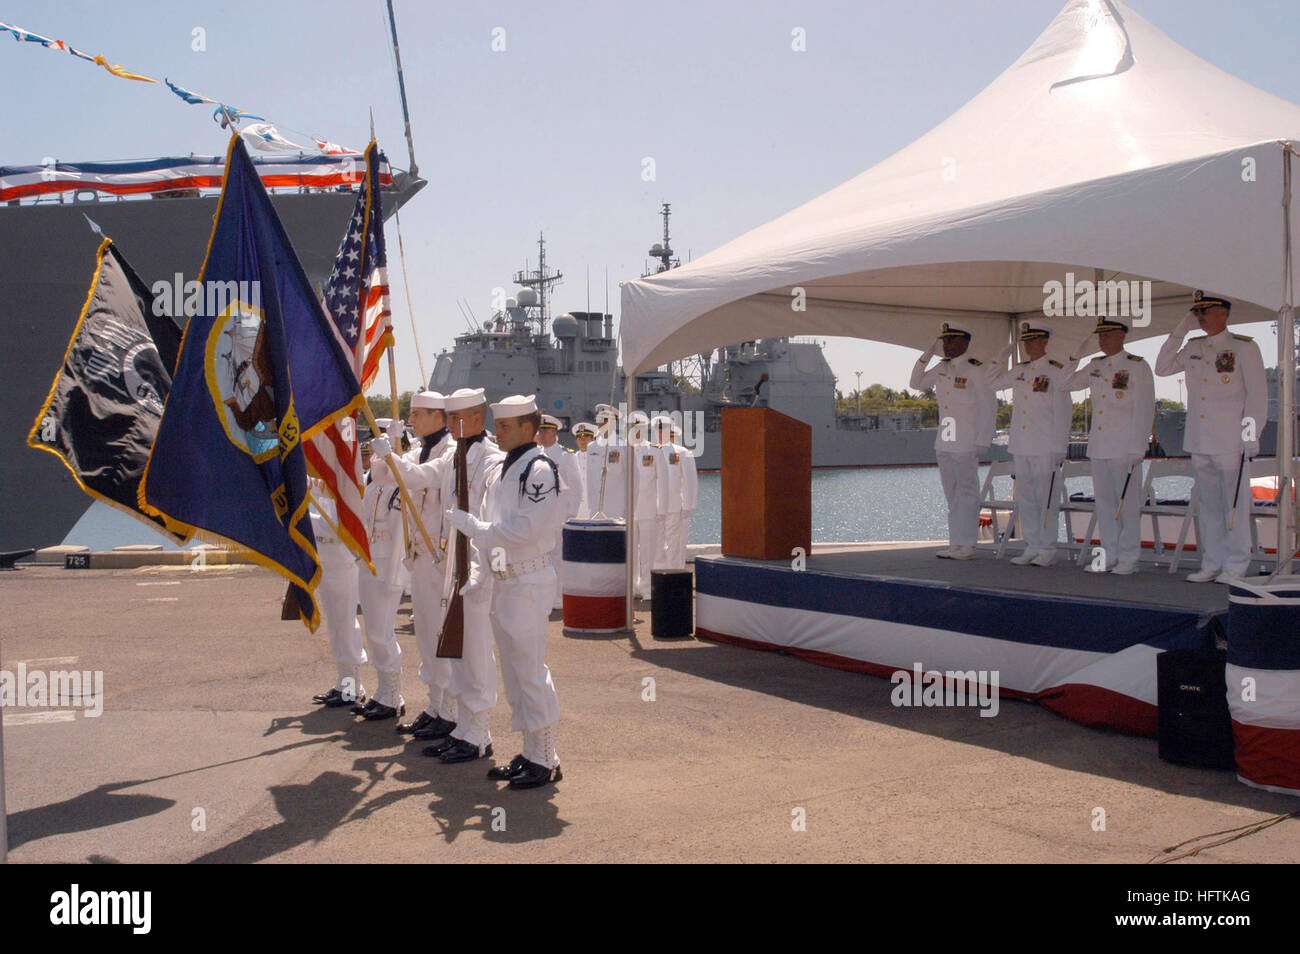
532 775
420 722
324 696
362 710
379 712
439 747
336 698
501 773
462 751
439 728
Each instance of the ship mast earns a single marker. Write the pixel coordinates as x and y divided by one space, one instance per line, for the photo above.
540 280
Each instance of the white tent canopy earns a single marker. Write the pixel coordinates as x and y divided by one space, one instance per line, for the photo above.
1106 146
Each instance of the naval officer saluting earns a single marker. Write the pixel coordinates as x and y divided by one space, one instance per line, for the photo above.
967 409
1123 405
1040 437
520 520
1227 405
607 466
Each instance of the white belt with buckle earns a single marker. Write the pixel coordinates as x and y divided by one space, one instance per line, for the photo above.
527 566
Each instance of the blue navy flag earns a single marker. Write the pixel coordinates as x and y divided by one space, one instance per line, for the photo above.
259 373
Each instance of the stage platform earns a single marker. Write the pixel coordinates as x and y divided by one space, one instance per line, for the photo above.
949 632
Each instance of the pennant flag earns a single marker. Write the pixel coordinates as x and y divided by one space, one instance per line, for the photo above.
189 96
103 409
26 35
259 373
359 276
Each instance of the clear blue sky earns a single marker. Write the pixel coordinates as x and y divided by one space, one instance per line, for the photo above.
550 133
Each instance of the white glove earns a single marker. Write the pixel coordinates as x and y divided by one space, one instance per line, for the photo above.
1004 354
1186 325
466 523
380 448
395 430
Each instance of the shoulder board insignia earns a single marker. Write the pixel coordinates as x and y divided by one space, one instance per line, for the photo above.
1243 337
976 362
1055 364
570 450
1199 338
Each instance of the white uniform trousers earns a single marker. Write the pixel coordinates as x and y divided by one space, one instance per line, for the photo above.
647 544
672 543
426 602
474 675
1034 485
379 601
1215 488
520 612
959 474
337 596
557 561
1121 540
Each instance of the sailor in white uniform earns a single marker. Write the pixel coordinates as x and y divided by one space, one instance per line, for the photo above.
429 421
337 594
967 410
1123 396
1040 437
584 433
650 469
1227 406
678 492
522 513
572 477
473 683
381 592
607 466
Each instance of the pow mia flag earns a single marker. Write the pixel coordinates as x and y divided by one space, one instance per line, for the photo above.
103 409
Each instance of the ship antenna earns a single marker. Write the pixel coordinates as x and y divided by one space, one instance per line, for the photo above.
401 86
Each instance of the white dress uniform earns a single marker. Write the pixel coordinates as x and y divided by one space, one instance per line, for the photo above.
572 478
650 470
1226 389
1123 395
612 459
523 514
1040 437
381 592
428 571
678 493
337 594
967 412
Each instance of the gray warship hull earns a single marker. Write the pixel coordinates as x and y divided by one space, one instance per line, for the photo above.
47 251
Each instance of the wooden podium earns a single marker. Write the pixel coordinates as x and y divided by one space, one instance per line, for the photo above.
766 484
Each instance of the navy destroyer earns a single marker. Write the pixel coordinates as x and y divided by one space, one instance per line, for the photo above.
571 364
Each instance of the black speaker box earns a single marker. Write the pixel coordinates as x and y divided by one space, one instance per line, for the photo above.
1194 725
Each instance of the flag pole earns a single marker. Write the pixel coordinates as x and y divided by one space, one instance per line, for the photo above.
401 484
397 414
4 815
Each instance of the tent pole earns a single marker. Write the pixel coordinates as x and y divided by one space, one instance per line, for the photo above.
1286 385
629 503
4 817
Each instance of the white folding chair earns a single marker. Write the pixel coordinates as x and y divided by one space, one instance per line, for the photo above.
1186 514
1074 469
997 506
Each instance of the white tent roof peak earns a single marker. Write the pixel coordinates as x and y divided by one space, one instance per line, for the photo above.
1106 145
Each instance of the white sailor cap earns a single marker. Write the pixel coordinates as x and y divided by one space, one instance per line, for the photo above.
383 422
605 410
516 405
584 427
549 421
430 400
463 399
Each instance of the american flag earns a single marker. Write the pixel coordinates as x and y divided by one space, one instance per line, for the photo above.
356 301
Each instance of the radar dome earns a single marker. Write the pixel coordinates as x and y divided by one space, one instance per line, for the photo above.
511 304
527 298
566 326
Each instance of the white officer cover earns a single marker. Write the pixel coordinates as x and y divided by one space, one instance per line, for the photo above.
1106 145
